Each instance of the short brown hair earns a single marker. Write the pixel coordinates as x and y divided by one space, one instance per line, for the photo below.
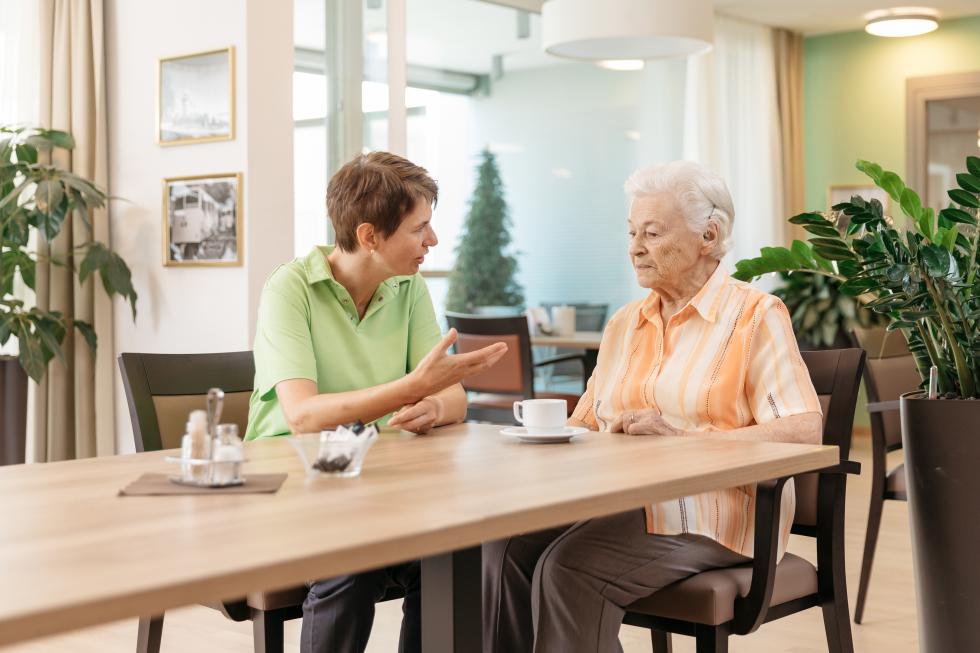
379 188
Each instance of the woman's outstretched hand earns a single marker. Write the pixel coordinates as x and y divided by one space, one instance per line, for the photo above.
646 421
440 369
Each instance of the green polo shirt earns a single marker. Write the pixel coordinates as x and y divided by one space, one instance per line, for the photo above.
308 328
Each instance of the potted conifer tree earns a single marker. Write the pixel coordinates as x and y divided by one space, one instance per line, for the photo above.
484 271
924 278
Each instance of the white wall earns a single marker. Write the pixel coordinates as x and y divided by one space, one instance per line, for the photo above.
566 137
191 310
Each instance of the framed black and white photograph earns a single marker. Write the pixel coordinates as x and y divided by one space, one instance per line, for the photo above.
202 220
196 97
843 192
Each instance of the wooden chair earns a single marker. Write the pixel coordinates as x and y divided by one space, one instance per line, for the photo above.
890 372
161 390
512 377
735 601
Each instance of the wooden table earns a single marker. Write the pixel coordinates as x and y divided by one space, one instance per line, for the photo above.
587 340
74 554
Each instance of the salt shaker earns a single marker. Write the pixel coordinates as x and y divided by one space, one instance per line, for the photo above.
228 455
196 446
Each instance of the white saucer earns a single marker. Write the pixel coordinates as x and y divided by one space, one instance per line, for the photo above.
564 434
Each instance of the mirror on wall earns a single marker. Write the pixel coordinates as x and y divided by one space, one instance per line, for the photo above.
952 134
943 128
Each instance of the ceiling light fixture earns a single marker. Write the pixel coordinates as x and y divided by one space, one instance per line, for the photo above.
626 29
901 21
621 64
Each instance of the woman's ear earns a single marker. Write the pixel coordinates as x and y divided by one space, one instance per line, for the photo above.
709 238
367 236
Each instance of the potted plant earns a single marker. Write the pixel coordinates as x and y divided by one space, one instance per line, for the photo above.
36 198
924 279
483 277
822 315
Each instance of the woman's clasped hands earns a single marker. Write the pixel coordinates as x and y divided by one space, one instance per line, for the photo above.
645 421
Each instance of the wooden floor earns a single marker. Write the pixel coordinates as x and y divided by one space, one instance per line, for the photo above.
889 615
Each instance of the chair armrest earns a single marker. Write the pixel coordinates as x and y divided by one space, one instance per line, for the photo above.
884 406
750 610
561 358
843 467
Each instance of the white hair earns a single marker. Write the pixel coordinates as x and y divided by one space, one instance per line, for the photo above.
701 194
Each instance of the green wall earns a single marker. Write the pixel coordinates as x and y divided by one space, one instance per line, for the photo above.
854 97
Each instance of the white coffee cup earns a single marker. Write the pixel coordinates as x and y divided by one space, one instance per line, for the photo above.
541 416
563 321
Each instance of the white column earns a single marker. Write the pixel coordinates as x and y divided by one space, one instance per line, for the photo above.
268 132
397 114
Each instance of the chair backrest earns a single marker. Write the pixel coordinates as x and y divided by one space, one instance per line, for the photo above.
889 373
498 311
162 389
588 317
514 372
835 374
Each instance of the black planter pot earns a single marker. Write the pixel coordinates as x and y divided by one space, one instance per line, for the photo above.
941 439
13 411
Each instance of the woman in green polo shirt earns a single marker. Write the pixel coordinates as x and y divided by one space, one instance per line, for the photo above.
349 333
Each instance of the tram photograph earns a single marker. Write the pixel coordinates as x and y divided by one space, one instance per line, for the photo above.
202 220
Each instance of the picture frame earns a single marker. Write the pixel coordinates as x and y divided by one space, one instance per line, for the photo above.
202 220
196 97
837 193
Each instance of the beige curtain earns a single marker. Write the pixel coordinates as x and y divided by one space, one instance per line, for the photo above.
788 48
73 408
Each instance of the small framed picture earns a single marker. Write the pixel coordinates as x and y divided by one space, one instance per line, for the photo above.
196 98
843 192
202 220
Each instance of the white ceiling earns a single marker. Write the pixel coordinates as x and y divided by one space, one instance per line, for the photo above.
819 16
465 34
808 16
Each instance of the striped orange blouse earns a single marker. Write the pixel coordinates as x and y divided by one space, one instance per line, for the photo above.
728 359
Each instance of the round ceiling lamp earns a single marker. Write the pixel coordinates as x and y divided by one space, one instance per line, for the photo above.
903 21
626 29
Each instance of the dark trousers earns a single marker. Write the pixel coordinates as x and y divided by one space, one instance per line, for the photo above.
564 590
338 612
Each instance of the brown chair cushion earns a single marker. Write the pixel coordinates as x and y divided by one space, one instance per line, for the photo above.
709 597
284 598
895 481
172 412
506 402
506 375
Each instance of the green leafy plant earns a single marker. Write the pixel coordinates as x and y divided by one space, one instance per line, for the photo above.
484 273
822 315
924 278
37 196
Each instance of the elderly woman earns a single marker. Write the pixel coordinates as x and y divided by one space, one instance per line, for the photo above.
703 356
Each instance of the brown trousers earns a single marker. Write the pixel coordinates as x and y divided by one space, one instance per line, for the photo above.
564 590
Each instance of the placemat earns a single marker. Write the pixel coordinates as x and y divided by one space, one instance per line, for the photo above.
159 484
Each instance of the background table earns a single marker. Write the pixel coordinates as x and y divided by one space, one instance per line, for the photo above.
73 553
587 340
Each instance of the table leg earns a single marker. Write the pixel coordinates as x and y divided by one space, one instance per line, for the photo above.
452 612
